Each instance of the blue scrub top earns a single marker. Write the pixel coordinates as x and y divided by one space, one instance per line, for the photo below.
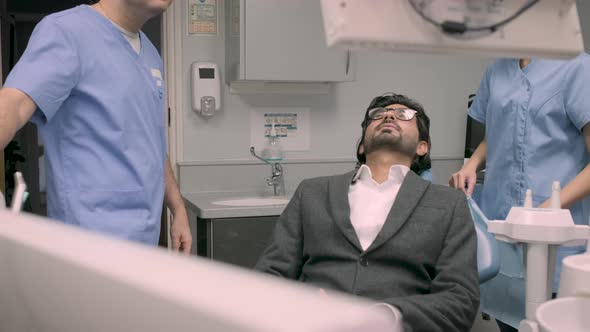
534 119
101 115
427 175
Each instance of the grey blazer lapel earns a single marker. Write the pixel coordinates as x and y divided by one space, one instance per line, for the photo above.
340 207
410 193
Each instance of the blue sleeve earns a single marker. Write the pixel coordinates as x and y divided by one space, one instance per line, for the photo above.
479 106
426 174
48 70
576 97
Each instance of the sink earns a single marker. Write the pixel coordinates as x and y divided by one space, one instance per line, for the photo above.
253 201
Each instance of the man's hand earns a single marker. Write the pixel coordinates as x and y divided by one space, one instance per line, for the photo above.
545 204
395 316
464 180
180 233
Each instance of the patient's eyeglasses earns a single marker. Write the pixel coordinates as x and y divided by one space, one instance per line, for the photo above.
404 114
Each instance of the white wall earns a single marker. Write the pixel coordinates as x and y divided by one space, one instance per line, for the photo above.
440 83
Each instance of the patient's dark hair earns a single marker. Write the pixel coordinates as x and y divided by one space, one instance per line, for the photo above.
420 163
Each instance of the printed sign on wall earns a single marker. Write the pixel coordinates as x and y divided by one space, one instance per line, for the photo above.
202 17
291 124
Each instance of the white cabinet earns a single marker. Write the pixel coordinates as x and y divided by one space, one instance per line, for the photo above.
281 40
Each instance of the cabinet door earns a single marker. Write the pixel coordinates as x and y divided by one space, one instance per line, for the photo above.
285 41
240 241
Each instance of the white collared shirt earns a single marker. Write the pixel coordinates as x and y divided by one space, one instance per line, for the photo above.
370 202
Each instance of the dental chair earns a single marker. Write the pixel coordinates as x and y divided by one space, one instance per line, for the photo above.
488 257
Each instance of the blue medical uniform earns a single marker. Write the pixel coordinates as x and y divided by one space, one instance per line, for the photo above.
534 119
427 175
101 115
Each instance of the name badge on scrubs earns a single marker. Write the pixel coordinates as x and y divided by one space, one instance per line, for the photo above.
157 74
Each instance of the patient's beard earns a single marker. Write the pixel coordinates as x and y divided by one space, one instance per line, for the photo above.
390 143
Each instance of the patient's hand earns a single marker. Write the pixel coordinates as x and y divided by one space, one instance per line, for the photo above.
392 312
397 322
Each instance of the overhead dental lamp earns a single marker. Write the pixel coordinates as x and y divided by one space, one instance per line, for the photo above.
515 29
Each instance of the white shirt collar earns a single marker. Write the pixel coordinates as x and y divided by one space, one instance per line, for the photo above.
371 202
396 172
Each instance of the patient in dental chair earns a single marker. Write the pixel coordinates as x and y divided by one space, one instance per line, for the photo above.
382 232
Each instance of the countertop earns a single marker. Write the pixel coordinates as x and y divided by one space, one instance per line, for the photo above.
202 205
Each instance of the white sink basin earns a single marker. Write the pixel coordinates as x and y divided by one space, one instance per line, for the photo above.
253 201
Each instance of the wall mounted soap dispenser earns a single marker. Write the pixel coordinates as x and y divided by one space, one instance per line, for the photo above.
206 88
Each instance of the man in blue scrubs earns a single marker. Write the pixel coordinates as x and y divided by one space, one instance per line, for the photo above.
93 84
537 115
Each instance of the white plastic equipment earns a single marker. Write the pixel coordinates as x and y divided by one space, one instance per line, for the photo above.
206 87
550 28
20 193
541 231
18 197
55 277
569 312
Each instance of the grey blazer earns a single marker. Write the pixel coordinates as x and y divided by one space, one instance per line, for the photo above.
423 261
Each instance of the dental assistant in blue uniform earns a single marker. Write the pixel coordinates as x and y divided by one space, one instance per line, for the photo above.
93 84
536 114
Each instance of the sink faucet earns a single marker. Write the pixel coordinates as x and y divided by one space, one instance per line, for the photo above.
277 177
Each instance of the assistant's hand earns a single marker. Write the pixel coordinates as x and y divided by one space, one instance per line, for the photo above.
180 233
464 180
547 204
